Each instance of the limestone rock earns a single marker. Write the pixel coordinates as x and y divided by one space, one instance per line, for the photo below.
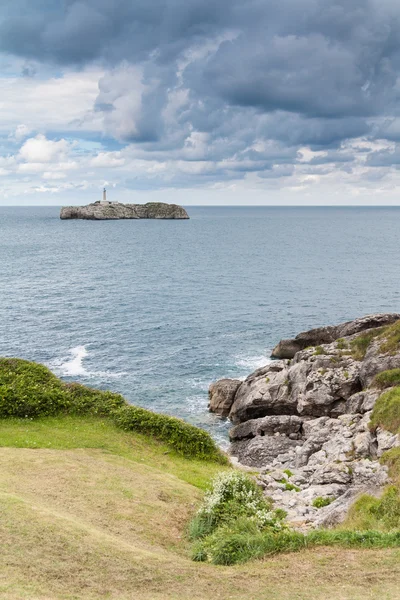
261 450
221 396
289 425
266 392
305 422
376 361
327 335
100 211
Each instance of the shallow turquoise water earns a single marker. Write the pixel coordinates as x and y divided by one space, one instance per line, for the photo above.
157 310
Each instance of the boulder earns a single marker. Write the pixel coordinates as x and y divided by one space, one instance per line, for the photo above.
289 425
221 396
263 394
376 361
261 450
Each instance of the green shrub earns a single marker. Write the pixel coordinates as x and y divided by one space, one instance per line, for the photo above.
341 344
288 472
386 412
86 400
182 437
320 502
30 390
234 496
388 378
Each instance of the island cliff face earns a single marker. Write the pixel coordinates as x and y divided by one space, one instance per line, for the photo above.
304 421
100 211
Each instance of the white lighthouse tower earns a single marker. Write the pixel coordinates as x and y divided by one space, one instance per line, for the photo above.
104 201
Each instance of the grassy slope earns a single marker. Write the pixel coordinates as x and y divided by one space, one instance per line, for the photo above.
89 511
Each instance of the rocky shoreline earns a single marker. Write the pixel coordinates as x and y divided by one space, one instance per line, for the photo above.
303 421
101 211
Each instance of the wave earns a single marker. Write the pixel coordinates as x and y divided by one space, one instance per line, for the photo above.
251 363
72 365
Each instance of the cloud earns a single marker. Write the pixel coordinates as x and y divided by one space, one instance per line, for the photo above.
21 131
288 93
41 150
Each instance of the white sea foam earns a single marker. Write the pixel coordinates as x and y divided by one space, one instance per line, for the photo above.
197 403
72 365
251 363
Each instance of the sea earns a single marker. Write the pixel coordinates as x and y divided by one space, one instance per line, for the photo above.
157 310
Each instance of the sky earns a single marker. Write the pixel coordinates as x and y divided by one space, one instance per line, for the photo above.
225 102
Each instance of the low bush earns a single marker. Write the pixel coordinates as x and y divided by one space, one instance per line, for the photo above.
234 497
387 379
386 412
30 390
182 437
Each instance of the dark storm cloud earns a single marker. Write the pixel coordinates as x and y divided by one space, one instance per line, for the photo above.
299 72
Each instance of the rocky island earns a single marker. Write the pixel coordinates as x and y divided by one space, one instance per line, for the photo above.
317 421
99 211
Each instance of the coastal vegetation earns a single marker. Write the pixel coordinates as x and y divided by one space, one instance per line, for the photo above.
387 378
100 499
30 390
386 413
236 524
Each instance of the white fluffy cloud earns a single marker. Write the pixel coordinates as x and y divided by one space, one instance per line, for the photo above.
52 103
41 150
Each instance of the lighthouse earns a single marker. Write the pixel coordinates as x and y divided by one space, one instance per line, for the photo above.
104 201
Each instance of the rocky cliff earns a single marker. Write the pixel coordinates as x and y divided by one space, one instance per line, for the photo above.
304 421
114 210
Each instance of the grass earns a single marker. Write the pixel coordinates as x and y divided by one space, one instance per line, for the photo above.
30 390
92 509
387 379
91 512
379 514
360 344
386 412
230 546
341 344
390 336
69 432
319 350
392 339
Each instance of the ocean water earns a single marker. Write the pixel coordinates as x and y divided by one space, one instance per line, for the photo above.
156 310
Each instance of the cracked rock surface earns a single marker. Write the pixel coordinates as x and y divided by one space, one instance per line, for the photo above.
303 422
